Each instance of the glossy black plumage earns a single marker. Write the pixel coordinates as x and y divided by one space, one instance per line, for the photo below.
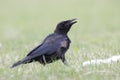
52 48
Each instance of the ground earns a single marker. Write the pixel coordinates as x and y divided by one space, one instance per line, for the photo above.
25 23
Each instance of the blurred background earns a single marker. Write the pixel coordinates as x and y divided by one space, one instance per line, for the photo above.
25 23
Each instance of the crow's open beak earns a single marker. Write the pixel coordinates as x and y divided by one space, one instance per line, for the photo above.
72 21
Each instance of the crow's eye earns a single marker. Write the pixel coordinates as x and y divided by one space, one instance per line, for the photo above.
61 28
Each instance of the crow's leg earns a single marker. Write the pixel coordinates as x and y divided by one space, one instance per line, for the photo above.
44 59
64 60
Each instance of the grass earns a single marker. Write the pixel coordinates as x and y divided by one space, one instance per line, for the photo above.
25 23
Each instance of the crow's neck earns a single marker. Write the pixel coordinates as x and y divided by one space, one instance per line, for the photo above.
62 33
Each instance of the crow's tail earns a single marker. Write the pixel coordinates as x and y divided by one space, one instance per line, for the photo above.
23 61
16 64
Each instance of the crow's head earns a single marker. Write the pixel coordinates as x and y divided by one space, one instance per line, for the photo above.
64 26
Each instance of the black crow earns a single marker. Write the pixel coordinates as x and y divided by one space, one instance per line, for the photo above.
52 48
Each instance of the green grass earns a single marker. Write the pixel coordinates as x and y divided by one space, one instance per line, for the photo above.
25 23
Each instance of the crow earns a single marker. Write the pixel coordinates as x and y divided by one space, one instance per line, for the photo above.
53 47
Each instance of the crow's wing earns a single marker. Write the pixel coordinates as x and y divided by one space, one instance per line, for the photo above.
44 49
50 45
